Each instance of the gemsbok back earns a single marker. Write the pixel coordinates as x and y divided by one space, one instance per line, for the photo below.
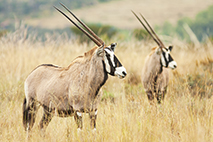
155 75
72 90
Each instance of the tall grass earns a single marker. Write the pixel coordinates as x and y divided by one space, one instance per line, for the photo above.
124 113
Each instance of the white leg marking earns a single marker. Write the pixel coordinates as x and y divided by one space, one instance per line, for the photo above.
28 126
79 130
94 130
79 114
27 137
96 112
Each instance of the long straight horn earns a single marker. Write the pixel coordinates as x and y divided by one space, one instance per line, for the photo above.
153 31
84 31
146 29
88 29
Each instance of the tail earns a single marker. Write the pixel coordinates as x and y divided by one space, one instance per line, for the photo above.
29 113
25 114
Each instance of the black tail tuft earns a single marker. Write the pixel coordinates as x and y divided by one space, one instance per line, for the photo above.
25 114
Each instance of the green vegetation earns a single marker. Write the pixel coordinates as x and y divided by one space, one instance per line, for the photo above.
108 96
201 26
17 9
199 82
140 34
105 31
2 33
22 8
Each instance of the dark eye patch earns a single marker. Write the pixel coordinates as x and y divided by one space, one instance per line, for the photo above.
164 54
117 62
108 55
170 58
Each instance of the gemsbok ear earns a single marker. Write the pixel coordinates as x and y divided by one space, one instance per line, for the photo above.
100 51
170 48
158 50
113 45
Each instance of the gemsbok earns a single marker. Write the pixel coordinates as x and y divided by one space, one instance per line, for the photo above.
155 75
72 90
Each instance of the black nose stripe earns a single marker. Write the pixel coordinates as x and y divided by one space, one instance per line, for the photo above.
124 73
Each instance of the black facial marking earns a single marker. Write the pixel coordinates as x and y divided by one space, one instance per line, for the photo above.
164 56
112 69
170 58
110 62
167 61
117 63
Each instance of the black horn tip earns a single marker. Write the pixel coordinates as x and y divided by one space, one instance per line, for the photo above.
56 8
62 4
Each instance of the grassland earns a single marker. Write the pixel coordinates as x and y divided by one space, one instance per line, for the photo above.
125 113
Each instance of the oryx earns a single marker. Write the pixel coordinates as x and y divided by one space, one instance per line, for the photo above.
72 90
155 76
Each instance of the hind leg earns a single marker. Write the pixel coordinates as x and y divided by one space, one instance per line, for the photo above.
45 120
30 114
78 120
164 93
160 96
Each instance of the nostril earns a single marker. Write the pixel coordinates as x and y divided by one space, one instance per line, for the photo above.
124 73
175 66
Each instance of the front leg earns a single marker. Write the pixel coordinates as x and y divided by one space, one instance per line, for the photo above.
150 96
93 117
78 120
159 96
47 117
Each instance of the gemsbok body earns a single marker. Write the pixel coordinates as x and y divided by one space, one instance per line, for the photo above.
155 75
72 90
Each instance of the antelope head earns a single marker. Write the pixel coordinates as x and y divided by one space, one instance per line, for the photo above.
166 58
112 64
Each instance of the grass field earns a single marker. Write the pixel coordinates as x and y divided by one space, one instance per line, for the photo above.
125 113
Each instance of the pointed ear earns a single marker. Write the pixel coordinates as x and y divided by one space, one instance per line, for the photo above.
100 51
112 46
170 47
158 50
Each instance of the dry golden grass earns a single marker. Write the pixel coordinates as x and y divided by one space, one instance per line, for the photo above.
129 117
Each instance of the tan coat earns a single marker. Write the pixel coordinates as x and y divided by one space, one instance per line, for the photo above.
155 77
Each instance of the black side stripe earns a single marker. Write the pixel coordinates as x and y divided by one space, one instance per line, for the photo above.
104 81
117 63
